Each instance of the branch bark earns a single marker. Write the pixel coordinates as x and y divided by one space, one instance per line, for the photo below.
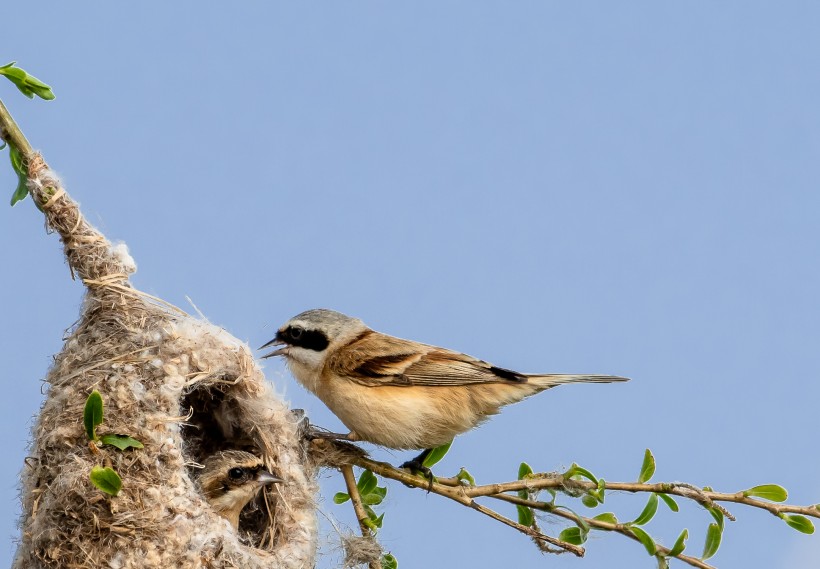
455 489
358 506
11 133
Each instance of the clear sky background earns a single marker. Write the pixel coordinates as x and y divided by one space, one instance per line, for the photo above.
599 187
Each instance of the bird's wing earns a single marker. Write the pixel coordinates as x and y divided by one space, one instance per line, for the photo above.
378 359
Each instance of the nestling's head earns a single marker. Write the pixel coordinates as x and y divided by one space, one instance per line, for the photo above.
230 479
308 337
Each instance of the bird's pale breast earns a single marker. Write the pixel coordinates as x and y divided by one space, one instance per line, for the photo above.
414 417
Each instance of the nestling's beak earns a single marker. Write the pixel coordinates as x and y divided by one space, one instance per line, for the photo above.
264 478
277 341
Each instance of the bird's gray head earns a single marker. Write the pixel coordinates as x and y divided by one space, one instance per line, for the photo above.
230 479
310 334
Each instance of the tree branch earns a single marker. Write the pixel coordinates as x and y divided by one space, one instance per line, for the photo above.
622 529
453 493
358 506
515 492
11 133
706 498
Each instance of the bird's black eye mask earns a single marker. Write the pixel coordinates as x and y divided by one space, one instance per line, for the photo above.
302 338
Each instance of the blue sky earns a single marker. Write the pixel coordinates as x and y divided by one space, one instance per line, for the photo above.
593 187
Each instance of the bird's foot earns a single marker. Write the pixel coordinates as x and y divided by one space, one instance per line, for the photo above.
416 466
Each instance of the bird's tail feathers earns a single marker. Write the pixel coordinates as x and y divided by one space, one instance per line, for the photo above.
545 381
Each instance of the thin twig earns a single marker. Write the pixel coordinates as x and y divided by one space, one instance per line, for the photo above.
705 497
533 533
457 494
11 133
622 529
456 490
358 506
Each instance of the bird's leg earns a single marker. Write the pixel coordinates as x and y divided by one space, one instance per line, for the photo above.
416 466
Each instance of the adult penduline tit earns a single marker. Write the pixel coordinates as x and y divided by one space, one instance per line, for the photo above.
399 393
230 479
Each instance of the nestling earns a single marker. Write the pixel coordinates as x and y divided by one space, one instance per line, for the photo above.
399 393
230 479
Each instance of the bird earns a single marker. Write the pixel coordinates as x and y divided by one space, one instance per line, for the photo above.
397 393
230 479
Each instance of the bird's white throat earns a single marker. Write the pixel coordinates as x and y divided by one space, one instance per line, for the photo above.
305 365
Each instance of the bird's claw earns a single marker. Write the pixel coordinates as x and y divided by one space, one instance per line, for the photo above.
416 466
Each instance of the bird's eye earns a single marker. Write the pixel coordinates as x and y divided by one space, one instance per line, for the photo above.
296 332
235 473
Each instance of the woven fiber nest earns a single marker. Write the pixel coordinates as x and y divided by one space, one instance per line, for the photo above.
185 389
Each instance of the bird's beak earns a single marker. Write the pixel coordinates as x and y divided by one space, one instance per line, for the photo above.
264 478
275 342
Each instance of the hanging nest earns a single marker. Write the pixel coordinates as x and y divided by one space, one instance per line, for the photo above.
185 389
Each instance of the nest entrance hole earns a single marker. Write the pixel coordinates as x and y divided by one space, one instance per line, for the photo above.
215 423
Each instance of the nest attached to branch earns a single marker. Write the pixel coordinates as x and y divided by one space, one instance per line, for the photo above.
182 387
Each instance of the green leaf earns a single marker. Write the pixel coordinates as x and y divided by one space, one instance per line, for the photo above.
798 522
21 191
93 414
389 562
525 516
648 511
375 497
576 470
601 490
18 77
771 492
373 521
378 521
106 479
607 517
573 535
340 498
436 455
27 84
122 442
371 524
680 544
644 538
718 515
372 499
16 160
713 537
524 471
669 501
647 468
367 482
465 476
589 501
